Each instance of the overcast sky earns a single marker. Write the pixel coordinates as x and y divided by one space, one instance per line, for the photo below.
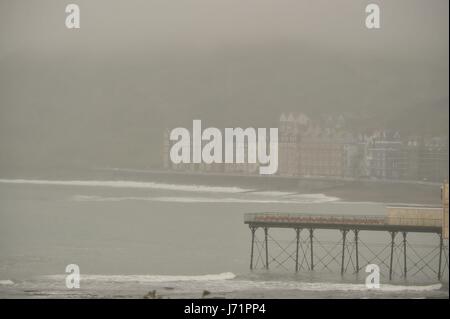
415 27
101 95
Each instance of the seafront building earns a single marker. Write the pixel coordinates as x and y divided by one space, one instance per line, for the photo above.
326 147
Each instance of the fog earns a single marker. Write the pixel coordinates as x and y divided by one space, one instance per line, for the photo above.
102 95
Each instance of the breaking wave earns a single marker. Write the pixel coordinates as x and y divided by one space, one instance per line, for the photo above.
312 198
239 195
228 282
149 278
129 184
6 282
327 286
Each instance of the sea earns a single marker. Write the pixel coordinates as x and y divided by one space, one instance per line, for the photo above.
155 239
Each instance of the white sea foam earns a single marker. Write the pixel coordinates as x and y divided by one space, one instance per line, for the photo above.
243 285
176 199
245 195
6 282
320 198
298 200
129 184
327 286
273 193
228 282
149 278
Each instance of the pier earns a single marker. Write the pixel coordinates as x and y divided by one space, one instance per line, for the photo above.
350 252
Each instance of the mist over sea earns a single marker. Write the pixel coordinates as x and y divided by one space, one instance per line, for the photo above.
132 237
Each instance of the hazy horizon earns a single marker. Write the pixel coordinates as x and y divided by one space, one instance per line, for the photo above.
102 95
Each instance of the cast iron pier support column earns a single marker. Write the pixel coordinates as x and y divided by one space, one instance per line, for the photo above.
392 254
356 250
253 229
344 235
297 231
404 255
440 255
311 233
266 230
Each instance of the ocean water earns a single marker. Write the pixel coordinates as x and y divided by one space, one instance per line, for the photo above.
129 238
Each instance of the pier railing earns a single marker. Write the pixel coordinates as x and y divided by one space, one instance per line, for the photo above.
340 220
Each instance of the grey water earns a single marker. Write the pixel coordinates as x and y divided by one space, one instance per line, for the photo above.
129 238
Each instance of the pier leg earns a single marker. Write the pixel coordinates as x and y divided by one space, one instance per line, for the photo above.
356 250
344 235
297 230
311 233
267 247
253 229
404 255
392 254
440 256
